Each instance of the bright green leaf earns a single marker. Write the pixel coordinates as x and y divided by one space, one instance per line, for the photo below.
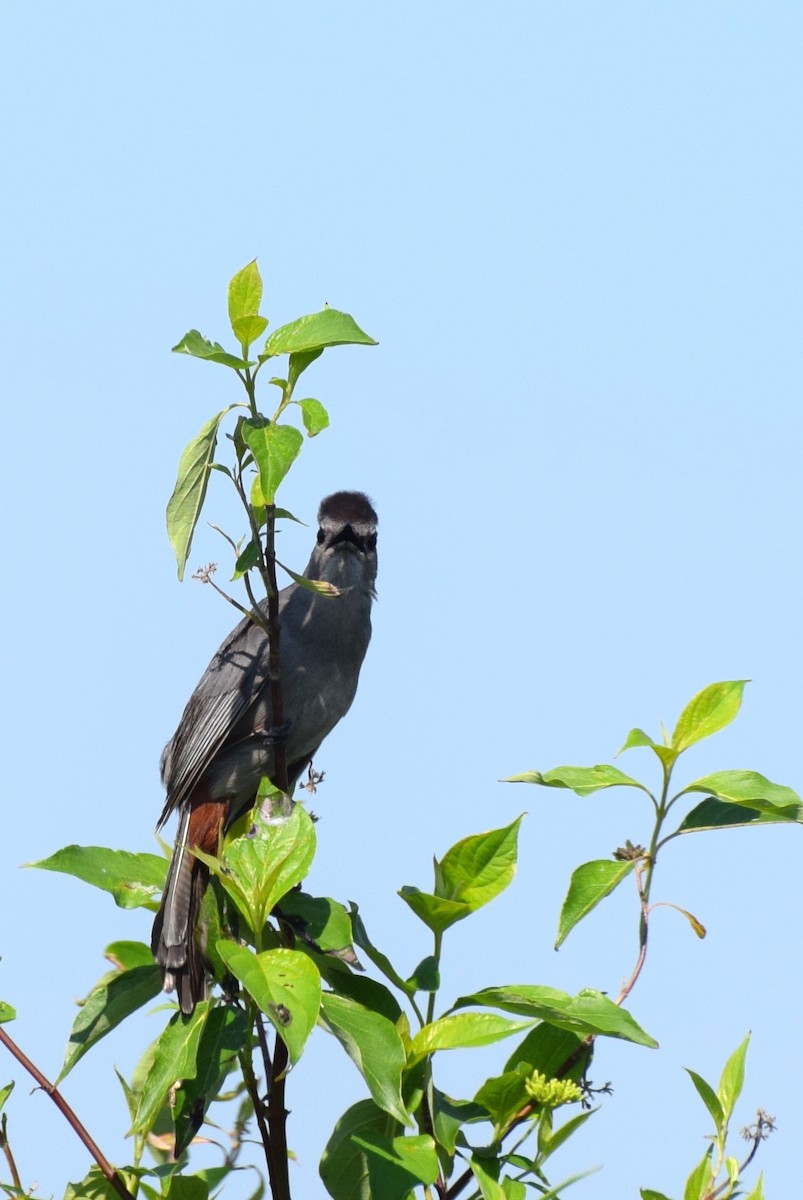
275 448
7 1012
222 1039
758 1191
732 1081
5 1092
248 329
478 868
174 1058
709 1098
285 984
314 416
132 879
109 1003
413 1157
698 1183
582 780
752 790
374 1046
590 883
436 913
245 293
461 1031
314 332
185 504
649 1194
194 344
589 1012
124 955
709 711
345 1167
637 737
486 1173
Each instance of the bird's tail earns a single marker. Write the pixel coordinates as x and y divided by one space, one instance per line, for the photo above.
173 941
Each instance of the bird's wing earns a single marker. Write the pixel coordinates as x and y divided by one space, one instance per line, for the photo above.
230 685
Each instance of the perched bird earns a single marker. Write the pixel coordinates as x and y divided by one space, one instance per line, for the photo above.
225 741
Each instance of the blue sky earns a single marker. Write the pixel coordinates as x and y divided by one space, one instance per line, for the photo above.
575 230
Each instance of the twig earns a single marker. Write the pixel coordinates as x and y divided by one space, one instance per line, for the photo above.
276 698
12 1166
108 1171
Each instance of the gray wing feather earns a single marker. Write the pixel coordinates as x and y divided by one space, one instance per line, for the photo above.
230 685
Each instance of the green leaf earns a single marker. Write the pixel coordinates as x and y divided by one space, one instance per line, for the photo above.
478 868
590 883
259 868
285 984
752 790
709 711
245 561
451 1115
275 448
549 1141
109 1003
125 955
315 332
299 363
503 1096
732 1081
709 1098
248 329
245 293
714 814
185 504
132 879
637 737
513 1189
5 1092
547 1049
374 1046
486 1172
7 1012
186 1187
461 1031
174 1058
590 1012
758 1191
426 977
436 913
700 1179
348 1171
222 1039
95 1186
649 1194
582 780
314 416
412 1158
319 920
194 344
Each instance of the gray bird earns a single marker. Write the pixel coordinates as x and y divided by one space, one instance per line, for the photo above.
225 741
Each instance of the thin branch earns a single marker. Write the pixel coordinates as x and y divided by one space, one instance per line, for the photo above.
12 1166
108 1171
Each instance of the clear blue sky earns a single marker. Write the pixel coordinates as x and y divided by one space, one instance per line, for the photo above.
575 229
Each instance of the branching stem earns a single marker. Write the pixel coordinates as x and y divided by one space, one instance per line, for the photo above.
108 1171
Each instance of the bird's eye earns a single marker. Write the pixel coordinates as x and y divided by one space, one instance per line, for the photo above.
370 541
321 536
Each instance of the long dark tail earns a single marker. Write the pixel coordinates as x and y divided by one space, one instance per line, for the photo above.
173 941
